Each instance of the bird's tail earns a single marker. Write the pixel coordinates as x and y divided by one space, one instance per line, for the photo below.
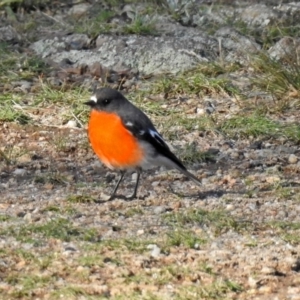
190 175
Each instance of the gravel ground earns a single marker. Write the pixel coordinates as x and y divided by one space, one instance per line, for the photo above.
253 242
236 237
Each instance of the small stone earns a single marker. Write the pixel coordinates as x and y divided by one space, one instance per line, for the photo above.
272 179
19 172
140 232
177 205
159 210
267 270
71 124
79 10
294 291
70 247
293 159
200 111
229 207
252 282
27 217
155 250
265 289
197 246
134 176
234 155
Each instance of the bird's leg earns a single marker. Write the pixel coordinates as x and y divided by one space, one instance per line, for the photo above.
138 173
112 196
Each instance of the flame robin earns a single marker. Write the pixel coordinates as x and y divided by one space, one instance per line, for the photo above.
123 137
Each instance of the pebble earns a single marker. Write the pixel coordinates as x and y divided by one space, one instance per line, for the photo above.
272 179
252 282
79 10
71 124
159 209
200 111
134 176
293 159
229 207
267 270
27 217
70 247
155 250
19 172
140 232
197 246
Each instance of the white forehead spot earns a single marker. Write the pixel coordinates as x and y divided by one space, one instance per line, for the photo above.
93 98
128 123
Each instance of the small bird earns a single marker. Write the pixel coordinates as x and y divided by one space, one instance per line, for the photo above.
124 138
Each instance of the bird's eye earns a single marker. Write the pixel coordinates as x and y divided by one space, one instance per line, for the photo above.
106 101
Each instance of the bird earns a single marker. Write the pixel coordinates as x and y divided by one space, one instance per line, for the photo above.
124 138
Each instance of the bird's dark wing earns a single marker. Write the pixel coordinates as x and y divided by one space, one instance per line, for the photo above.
145 131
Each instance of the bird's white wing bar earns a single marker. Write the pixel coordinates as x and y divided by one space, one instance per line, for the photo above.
129 124
157 137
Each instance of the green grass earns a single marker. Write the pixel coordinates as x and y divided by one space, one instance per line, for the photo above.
278 78
217 290
191 154
59 228
183 237
140 26
29 283
80 199
258 125
51 178
72 292
10 154
198 82
219 221
288 231
95 26
16 66
16 105
132 211
4 217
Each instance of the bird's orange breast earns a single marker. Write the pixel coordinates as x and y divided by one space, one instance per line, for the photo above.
112 142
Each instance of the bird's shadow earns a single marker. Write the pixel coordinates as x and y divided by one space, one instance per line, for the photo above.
198 195
119 197
217 193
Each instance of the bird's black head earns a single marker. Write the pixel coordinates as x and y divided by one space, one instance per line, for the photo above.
106 99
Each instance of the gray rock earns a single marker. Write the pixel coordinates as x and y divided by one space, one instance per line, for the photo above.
9 34
234 46
49 47
19 172
77 41
259 15
286 48
22 85
79 10
289 11
150 55
159 209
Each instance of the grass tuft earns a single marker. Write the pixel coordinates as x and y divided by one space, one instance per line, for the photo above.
279 78
219 220
258 125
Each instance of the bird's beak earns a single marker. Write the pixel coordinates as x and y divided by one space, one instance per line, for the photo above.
90 103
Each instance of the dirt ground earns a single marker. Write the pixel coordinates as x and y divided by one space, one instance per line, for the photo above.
236 237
